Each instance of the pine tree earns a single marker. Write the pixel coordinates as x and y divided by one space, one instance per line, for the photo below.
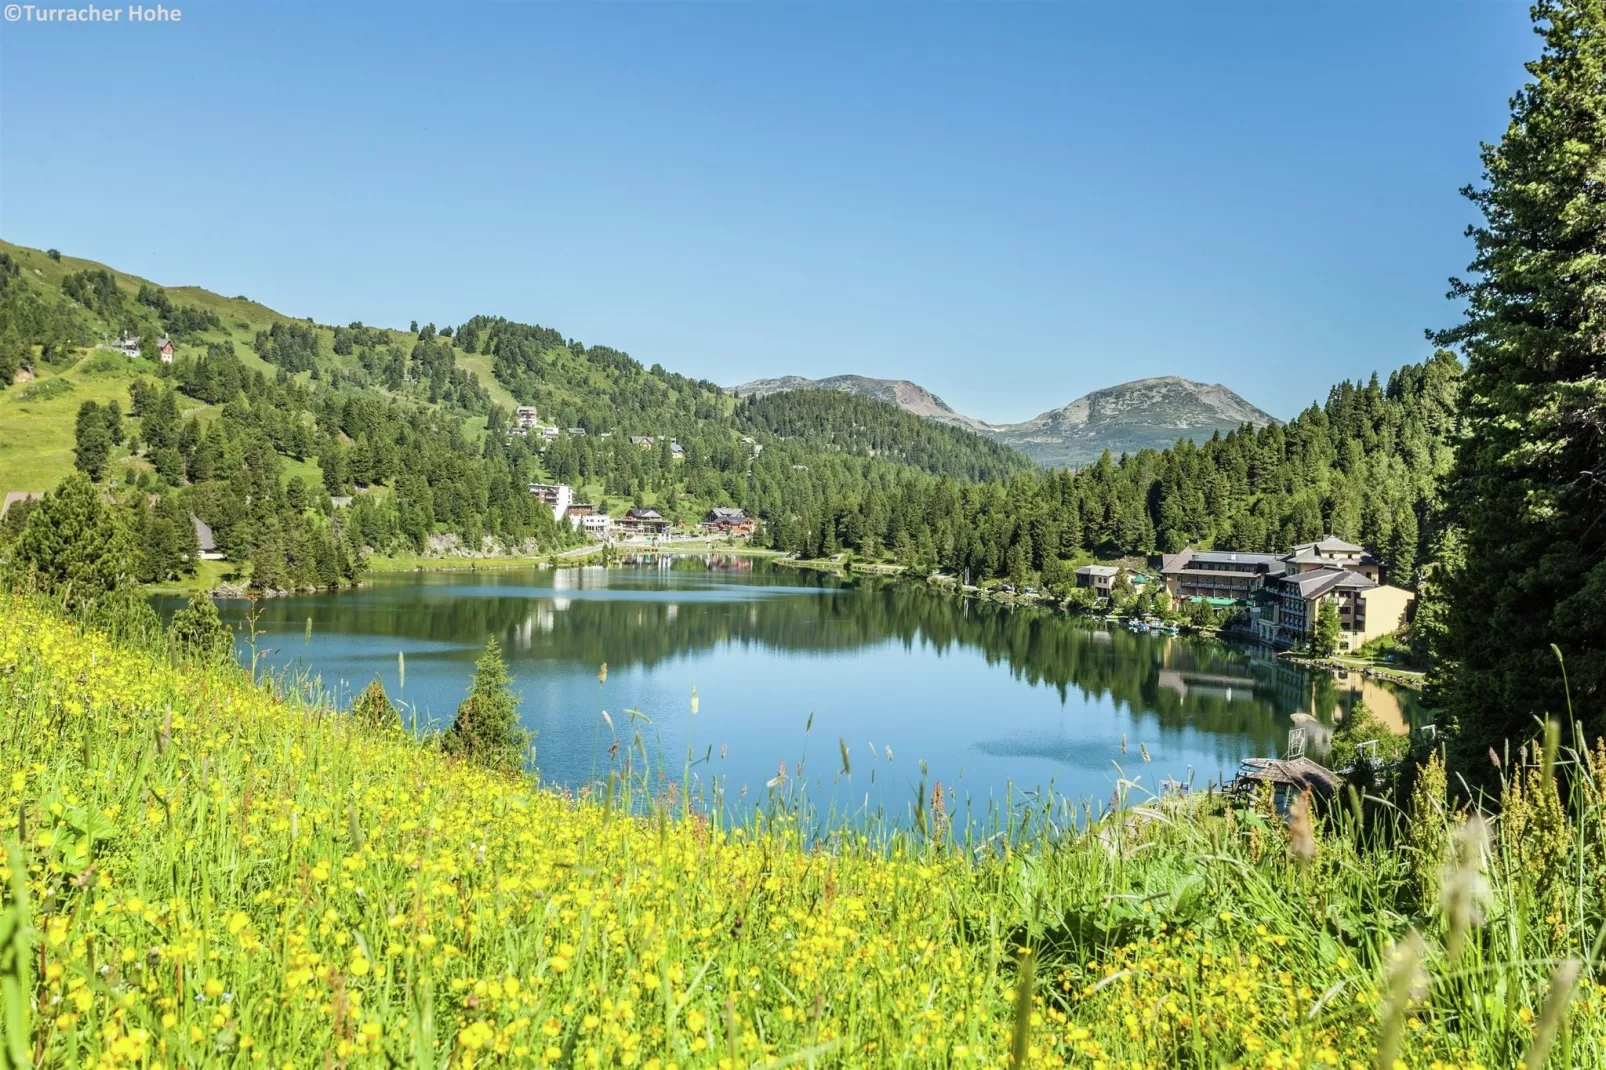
93 446
373 707
1324 640
487 730
74 545
1526 488
197 632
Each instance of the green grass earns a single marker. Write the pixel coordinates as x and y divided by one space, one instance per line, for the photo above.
210 872
480 365
36 433
209 575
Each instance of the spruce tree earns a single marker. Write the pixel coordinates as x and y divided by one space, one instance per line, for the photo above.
373 707
1324 639
487 730
198 633
74 545
1527 489
92 445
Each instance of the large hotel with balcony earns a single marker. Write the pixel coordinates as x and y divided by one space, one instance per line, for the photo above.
1284 592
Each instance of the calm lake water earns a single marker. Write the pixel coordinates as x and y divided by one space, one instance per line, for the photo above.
990 698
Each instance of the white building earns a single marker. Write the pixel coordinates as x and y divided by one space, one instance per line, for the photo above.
596 525
526 417
558 495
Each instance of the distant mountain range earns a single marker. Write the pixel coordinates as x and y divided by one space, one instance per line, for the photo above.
1125 418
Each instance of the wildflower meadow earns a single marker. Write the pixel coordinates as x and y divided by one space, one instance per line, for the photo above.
208 871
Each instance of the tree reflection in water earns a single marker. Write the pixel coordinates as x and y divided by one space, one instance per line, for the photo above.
678 615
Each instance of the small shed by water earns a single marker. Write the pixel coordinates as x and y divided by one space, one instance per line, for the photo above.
1288 778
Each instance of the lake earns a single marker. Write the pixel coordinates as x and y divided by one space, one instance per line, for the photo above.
991 698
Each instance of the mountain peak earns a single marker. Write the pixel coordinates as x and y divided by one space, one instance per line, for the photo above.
910 397
1141 414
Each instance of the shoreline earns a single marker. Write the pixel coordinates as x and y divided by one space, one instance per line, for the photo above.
950 585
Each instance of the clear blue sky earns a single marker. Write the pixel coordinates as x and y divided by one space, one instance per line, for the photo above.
1012 204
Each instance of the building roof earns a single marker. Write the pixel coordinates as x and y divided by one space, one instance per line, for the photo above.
18 496
1328 544
1097 570
643 514
1175 563
726 512
1298 773
203 535
1319 581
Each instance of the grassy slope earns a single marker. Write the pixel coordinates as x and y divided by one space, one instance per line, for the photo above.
269 876
36 438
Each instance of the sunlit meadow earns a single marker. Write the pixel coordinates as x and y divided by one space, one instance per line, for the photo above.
206 871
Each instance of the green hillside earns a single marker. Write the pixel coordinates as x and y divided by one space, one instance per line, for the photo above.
69 363
259 417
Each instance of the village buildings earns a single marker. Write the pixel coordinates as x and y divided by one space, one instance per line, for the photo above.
128 345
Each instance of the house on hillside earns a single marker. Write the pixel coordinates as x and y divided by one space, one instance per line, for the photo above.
1217 573
675 451
641 442
127 344
164 350
1366 609
526 417
642 522
1332 552
204 539
1101 578
728 521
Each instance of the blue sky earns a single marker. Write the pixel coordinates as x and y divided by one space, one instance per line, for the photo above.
1011 204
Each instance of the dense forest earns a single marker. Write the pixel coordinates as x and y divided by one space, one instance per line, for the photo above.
1364 466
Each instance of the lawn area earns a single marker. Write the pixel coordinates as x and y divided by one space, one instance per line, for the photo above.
37 419
405 562
480 365
208 575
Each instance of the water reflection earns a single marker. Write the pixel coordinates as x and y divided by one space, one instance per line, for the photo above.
987 693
